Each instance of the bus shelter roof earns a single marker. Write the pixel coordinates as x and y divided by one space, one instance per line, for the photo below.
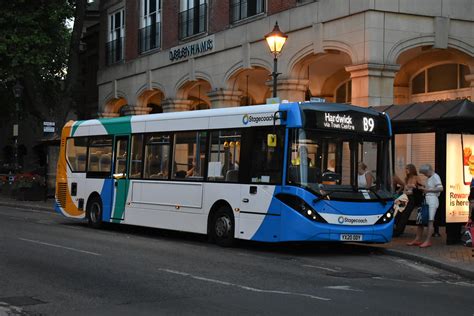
451 115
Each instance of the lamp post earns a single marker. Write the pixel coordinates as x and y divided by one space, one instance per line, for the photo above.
275 40
17 92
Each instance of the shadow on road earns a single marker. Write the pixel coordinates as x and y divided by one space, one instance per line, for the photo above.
285 248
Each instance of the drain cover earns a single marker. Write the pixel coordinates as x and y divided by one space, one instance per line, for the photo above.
352 275
21 301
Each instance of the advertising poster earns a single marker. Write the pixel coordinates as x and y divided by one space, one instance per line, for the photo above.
459 173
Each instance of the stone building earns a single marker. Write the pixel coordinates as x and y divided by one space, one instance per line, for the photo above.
181 55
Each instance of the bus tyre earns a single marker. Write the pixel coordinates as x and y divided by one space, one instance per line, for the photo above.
94 213
223 227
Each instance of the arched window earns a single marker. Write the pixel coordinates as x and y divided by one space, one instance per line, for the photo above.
344 92
440 78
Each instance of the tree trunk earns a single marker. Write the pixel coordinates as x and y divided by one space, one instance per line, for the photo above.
67 102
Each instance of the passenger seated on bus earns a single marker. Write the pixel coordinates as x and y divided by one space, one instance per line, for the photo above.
104 163
232 176
154 169
81 162
93 162
229 165
180 174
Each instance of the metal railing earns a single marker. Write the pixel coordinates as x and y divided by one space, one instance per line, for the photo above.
114 51
240 10
193 21
149 37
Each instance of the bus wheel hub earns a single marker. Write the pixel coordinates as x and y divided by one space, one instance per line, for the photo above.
223 226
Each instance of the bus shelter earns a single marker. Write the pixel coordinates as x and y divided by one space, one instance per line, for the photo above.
440 133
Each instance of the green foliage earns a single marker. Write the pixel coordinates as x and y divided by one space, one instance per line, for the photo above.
34 38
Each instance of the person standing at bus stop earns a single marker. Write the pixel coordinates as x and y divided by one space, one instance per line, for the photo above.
413 194
432 190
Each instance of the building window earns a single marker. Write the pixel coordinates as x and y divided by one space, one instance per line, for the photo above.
344 92
242 9
114 47
192 18
440 78
150 31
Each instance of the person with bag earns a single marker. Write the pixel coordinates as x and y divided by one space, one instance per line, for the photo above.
432 189
469 228
413 194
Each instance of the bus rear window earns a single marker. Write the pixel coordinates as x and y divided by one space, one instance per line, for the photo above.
76 151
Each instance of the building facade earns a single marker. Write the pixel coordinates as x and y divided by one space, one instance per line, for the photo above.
181 55
165 55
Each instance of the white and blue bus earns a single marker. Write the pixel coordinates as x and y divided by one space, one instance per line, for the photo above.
270 173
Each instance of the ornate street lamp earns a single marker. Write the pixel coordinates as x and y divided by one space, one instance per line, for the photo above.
275 40
17 92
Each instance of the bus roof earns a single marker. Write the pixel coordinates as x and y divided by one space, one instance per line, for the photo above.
233 117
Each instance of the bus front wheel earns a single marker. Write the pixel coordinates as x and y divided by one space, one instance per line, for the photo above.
94 213
223 227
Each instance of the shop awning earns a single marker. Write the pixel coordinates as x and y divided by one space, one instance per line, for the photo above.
428 116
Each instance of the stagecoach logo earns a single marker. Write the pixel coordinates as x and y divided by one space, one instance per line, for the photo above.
338 121
256 119
352 221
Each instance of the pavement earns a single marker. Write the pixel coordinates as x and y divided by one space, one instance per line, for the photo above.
454 258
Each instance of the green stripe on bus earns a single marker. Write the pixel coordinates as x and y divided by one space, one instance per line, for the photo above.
118 125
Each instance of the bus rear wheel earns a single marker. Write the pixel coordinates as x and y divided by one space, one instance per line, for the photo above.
94 213
223 227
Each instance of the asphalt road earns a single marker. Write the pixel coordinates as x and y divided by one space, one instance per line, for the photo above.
50 265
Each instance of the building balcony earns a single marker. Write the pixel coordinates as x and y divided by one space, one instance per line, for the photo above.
149 38
114 51
240 10
193 21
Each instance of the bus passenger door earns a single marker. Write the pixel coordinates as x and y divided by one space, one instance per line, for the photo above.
120 175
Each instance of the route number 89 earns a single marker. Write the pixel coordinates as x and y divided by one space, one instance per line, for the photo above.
368 124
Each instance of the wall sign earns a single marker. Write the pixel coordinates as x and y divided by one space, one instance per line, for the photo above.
459 150
192 49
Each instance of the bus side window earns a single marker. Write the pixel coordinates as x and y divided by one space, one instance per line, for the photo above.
266 163
189 155
157 151
136 160
76 149
224 156
100 151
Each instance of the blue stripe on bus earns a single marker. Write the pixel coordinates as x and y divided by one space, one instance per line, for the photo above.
106 194
293 117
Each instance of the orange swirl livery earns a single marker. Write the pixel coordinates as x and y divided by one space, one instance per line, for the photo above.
64 201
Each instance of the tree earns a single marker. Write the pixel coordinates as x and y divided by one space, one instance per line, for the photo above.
38 50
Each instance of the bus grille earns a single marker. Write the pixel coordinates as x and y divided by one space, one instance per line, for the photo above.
62 192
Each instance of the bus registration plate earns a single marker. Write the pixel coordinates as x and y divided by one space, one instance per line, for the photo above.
351 237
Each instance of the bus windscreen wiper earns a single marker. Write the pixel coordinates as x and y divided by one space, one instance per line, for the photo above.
379 198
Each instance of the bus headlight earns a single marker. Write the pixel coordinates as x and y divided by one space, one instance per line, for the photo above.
386 218
299 205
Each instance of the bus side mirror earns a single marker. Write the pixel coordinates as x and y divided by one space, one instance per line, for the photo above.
271 140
